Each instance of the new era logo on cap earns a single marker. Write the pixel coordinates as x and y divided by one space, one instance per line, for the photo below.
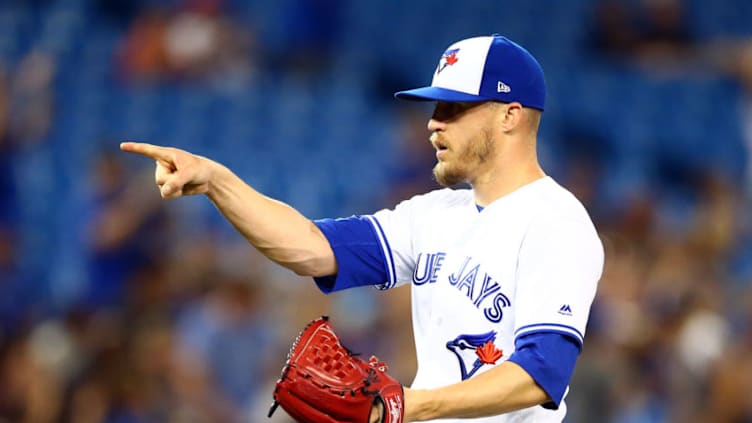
491 68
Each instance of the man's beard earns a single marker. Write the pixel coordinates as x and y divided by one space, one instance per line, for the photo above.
475 154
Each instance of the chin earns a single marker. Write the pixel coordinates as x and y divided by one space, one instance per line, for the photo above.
446 177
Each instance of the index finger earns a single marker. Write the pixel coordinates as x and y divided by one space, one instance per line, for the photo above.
154 151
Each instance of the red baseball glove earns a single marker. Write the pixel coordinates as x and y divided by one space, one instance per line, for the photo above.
323 382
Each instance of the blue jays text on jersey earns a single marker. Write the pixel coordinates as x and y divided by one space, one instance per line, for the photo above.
484 292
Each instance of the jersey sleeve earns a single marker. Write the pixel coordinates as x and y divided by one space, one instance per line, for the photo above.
371 249
395 229
559 266
549 358
356 247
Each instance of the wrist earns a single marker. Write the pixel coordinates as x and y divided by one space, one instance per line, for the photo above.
420 405
215 174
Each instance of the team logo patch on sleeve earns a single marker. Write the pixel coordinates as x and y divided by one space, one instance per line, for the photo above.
482 345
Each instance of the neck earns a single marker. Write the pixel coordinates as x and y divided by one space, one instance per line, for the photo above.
510 171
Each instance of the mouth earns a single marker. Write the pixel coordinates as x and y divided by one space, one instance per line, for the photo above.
438 145
441 150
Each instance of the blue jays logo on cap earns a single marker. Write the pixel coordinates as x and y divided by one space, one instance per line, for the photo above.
483 346
491 68
447 59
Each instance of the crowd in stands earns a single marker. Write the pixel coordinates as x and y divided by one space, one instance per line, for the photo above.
117 307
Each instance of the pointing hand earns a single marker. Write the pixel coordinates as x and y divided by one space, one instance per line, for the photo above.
178 172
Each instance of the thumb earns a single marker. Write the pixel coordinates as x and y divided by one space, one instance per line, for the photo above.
377 412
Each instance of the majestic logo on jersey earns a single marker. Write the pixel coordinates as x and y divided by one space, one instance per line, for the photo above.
447 59
483 346
565 310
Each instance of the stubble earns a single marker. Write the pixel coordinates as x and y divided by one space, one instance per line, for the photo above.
462 169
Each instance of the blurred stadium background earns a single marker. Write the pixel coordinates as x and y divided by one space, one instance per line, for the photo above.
116 307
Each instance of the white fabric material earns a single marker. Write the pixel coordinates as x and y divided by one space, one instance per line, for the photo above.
466 73
529 262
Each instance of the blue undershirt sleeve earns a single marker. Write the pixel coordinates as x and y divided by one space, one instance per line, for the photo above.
549 358
360 259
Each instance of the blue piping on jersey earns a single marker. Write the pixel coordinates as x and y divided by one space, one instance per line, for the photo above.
551 327
388 254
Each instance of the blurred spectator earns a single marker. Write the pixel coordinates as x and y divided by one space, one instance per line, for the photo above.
177 323
27 107
656 30
225 344
731 376
194 42
122 237
32 368
32 104
143 55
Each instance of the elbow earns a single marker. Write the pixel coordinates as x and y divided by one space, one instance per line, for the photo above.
309 255
310 266
318 259
314 268
300 268
304 271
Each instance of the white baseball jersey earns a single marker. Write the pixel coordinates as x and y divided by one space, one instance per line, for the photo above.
529 262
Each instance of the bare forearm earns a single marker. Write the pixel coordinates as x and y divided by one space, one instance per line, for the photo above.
500 390
277 230
274 228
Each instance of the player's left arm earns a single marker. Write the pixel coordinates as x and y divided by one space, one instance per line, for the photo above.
505 388
537 373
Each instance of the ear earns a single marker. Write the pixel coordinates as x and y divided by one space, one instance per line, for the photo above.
512 115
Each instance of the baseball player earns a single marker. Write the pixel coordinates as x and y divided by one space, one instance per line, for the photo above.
502 274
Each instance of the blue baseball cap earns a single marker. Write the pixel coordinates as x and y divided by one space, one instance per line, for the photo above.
489 68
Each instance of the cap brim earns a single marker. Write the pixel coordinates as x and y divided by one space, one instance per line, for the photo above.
437 94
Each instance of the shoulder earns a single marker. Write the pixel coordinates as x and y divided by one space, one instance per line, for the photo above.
555 201
558 210
440 199
560 230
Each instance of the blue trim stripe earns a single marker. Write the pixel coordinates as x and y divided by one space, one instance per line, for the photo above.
550 327
391 272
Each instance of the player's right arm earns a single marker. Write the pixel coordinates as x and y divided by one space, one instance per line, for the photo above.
277 230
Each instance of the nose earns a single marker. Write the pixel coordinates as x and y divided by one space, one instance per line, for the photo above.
436 125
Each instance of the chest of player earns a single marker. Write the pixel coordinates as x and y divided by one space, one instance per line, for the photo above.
468 269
